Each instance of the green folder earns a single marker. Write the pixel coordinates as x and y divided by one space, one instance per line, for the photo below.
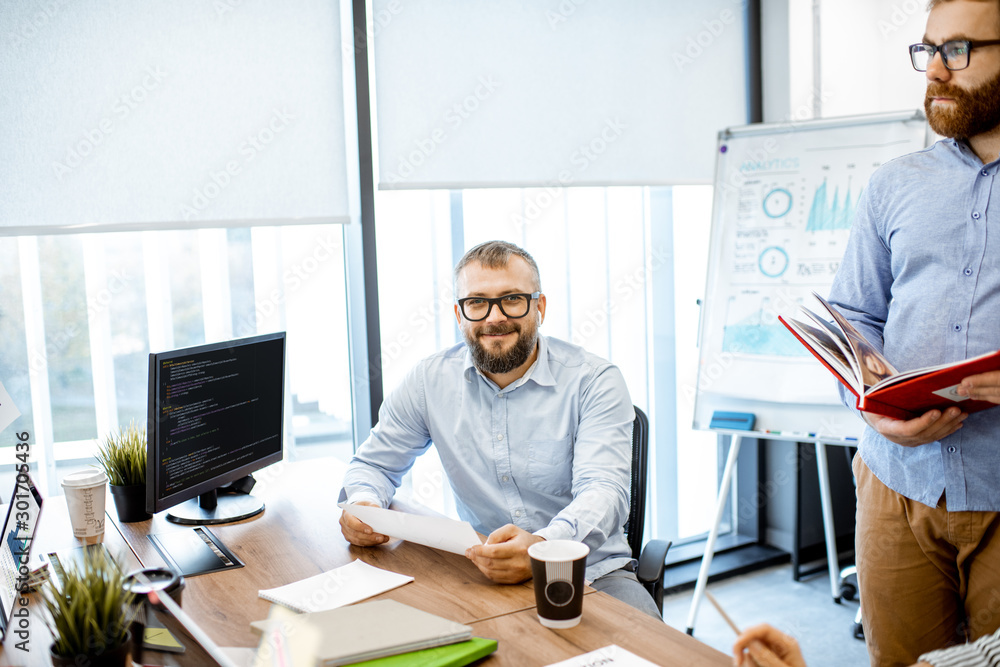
450 655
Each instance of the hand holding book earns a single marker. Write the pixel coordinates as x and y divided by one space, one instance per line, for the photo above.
929 427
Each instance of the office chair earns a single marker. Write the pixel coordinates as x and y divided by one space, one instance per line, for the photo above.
651 557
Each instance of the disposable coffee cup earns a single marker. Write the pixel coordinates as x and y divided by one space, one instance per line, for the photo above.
557 567
85 494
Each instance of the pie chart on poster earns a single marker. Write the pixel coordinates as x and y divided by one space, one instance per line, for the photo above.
773 261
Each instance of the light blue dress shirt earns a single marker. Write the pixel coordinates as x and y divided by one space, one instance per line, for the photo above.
550 453
921 280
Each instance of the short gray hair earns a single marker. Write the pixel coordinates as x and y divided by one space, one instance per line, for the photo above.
496 255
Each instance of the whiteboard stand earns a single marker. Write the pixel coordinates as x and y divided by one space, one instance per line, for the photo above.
720 508
829 531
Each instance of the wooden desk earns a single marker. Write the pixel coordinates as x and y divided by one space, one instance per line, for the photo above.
298 536
524 641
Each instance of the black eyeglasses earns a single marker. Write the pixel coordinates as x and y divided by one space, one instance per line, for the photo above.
514 306
954 54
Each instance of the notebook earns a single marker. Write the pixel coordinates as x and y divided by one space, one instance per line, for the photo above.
18 534
370 630
452 655
338 587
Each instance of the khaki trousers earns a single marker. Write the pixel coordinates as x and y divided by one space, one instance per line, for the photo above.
929 578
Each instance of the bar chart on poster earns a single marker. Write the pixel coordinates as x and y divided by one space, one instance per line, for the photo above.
785 199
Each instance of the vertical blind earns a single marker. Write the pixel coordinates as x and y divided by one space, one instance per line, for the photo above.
554 92
178 113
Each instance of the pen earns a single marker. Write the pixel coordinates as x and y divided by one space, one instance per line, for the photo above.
725 616
751 661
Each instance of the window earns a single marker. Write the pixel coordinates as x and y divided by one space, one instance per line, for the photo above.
83 312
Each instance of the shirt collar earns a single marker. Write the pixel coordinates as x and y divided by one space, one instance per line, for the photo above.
539 372
966 153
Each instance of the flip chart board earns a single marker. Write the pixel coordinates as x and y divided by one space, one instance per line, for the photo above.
785 197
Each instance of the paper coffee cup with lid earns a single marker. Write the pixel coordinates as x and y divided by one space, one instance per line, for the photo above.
85 495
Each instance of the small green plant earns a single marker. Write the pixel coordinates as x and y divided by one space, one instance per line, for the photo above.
92 612
122 455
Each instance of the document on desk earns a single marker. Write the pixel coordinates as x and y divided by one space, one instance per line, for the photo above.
431 531
609 655
334 588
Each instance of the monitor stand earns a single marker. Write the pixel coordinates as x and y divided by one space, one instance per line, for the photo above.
210 508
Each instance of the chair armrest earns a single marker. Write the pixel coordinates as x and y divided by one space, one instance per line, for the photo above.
651 563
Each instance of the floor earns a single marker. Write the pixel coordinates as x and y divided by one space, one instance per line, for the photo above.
803 609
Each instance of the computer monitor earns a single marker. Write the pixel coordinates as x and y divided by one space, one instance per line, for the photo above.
215 415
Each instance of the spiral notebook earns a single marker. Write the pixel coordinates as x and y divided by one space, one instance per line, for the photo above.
334 588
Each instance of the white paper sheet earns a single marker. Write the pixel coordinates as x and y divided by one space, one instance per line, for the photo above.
8 411
609 655
431 531
338 587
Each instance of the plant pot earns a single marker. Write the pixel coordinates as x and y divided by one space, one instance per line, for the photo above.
116 657
130 502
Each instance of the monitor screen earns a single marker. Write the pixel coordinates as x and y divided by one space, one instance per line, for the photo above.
215 415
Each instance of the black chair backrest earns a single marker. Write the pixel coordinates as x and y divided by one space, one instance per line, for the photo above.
637 495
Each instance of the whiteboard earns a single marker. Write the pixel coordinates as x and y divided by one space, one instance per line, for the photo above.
785 196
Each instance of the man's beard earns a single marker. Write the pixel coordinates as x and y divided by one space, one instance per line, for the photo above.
972 112
497 362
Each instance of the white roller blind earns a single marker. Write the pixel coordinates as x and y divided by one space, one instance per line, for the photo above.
124 114
554 92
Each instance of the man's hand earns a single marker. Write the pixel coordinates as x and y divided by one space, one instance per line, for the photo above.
504 556
767 646
358 532
982 387
928 427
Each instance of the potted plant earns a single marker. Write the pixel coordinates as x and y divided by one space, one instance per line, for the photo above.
89 615
122 455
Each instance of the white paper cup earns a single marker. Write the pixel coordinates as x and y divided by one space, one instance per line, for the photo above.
557 567
85 495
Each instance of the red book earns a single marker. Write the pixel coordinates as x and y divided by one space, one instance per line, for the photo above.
878 387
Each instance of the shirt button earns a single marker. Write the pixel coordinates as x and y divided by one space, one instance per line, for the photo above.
499 436
517 512
505 478
500 395
968 272
984 172
957 327
951 449
975 215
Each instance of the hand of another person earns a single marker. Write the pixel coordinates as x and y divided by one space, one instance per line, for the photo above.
982 387
504 556
766 646
928 427
358 532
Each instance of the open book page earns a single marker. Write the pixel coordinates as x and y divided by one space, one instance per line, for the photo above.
824 345
873 366
902 377
841 345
